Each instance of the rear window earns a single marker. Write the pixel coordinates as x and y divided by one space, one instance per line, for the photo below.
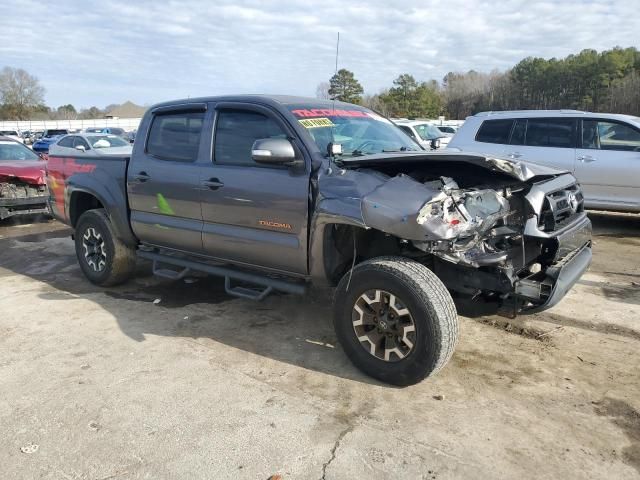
175 136
550 132
494 131
53 133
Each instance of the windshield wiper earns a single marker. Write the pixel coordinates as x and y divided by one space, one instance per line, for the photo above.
401 149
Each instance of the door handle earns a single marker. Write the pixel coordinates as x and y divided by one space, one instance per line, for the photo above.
514 155
141 177
586 158
213 184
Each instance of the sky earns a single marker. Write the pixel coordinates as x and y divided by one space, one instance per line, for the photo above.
97 53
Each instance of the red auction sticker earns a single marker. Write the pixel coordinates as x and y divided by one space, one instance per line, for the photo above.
327 112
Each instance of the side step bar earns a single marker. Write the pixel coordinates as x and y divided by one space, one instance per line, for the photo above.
268 284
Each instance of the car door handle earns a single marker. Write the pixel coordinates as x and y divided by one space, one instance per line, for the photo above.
514 155
586 158
213 184
141 177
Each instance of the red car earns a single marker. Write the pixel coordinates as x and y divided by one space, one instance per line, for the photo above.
23 188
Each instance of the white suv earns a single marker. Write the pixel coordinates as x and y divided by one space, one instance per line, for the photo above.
602 150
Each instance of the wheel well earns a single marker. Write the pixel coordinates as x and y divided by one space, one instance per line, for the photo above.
80 203
339 243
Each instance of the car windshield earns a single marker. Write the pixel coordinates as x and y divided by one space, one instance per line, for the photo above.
358 130
53 133
427 131
107 141
16 151
9 132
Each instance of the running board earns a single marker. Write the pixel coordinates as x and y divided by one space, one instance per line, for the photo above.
267 284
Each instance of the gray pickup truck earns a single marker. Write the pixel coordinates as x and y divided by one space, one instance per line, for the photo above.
279 193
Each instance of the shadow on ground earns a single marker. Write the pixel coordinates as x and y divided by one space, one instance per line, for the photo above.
294 330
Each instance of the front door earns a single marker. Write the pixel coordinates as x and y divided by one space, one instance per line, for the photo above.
163 181
608 164
253 214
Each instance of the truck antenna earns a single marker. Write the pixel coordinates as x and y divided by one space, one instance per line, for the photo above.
337 51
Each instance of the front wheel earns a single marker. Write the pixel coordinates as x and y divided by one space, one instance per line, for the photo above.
103 257
396 321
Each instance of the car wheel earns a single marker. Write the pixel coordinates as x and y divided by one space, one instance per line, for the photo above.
103 257
395 320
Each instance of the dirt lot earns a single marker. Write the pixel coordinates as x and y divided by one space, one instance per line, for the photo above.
109 385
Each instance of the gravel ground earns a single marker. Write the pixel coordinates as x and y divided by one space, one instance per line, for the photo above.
105 384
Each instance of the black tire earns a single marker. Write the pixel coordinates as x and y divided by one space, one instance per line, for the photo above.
119 259
432 311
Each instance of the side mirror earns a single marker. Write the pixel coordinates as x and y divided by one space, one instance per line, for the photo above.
81 148
435 144
274 151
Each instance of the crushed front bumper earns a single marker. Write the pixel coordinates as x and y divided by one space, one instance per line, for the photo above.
572 258
23 206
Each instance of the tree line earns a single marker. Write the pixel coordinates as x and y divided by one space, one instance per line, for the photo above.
22 98
607 81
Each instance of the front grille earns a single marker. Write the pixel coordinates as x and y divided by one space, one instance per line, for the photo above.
560 208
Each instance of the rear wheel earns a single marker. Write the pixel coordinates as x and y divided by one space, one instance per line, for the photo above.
103 257
396 321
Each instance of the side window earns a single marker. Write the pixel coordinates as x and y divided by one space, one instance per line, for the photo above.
494 131
408 131
550 132
236 130
605 135
80 141
175 136
66 142
519 132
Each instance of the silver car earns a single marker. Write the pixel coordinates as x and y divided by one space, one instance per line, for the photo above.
601 150
90 144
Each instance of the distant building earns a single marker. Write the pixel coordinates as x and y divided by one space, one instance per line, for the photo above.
126 110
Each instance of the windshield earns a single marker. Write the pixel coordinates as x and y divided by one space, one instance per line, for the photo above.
9 132
53 133
16 151
107 141
358 130
427 131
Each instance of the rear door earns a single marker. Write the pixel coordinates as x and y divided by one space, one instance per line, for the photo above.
163 181
544 141
608 164
254 214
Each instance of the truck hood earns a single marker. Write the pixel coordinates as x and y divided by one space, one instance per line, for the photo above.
511 168
31 172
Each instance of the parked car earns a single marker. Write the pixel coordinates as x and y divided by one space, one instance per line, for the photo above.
91 145
12 134
22 180
49 137
266 197
112 130
424 133
602 150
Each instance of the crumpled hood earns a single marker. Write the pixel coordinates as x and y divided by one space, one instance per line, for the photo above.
27 171
514 169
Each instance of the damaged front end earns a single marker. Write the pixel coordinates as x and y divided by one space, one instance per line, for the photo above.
481 224
21 198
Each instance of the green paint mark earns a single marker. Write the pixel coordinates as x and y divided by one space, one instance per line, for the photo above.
163 205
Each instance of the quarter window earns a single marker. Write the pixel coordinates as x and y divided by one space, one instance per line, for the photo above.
605 135
545 132
494 131
175 136
236 130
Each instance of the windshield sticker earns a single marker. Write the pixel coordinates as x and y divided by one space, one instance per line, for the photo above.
316 122
328 112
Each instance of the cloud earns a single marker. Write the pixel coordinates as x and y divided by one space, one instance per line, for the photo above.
95 53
